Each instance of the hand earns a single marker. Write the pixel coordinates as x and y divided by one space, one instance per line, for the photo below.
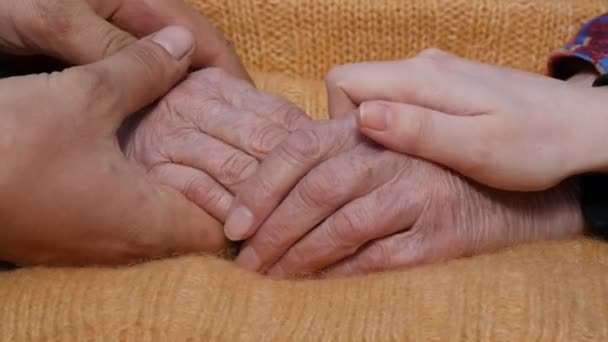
208 135
502 127
328 200
85 31
67 194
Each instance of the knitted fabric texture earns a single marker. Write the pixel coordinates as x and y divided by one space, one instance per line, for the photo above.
302 40
549 292
553 291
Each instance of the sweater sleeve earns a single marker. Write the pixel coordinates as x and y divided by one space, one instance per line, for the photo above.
588 48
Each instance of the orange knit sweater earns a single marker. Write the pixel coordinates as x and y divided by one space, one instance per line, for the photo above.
555 291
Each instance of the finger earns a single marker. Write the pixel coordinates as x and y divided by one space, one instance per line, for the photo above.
227 165
272 107
394 252
196 186
69 30
255 135
142 18
86 38
135 77
243 96
428 81
322 191
454 141
282 169
383 212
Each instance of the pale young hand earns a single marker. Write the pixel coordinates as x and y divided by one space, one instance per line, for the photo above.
502 127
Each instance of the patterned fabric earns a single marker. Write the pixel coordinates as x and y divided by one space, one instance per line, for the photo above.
590 45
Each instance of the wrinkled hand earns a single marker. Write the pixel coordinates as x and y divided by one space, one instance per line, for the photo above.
209 134
85 31
328 200
503 127
67 193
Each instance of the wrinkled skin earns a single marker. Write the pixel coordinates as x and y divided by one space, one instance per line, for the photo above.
209 134
328 200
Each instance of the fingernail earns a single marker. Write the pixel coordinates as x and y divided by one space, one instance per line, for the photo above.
373 115
249 259
238 224
176 40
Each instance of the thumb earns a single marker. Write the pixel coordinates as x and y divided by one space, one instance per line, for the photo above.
151 220
90 38
137 75
451 140
69 30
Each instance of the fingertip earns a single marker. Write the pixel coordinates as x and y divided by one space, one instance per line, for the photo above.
239 223
374 115
177 41
249 259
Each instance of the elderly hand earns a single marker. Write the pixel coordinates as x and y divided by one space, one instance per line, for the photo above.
85 31
328 200
209 134
505 128
67 193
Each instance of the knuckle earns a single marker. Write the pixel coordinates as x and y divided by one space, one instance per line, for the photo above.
236 168
378 256
195 186
203 193
303 145
114 40
345 228
265 138
290 115
322 188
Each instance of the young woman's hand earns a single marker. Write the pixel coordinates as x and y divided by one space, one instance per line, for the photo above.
502 127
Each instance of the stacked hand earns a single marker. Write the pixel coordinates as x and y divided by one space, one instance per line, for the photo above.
308 197
208 135
328 200
67 193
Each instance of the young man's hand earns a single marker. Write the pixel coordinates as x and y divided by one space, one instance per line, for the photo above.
68 195
85 31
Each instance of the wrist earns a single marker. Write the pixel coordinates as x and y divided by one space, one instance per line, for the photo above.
590 126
